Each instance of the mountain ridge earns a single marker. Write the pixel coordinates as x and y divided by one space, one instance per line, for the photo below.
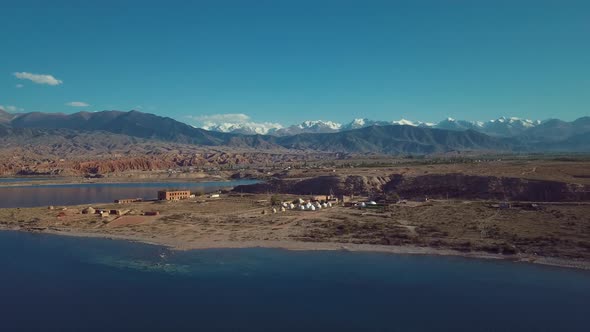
400 137
501 127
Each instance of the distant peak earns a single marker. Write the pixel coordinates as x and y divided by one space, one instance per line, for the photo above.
404 122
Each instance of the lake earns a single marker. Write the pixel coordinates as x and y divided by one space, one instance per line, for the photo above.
53 283
23 179
86 193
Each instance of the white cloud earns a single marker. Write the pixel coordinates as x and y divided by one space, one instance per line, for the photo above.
77 104
38 78
11 108
18 86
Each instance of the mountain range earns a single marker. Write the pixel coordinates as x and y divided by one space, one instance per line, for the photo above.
502 127
358 136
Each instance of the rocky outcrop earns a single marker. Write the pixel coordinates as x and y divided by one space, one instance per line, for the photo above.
338 185
455 186
486 187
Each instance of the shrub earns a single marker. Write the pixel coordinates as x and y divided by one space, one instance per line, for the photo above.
275 200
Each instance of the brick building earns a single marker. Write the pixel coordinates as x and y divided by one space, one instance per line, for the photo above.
172 195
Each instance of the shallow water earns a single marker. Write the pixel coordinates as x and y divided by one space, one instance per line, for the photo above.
54 283
86 193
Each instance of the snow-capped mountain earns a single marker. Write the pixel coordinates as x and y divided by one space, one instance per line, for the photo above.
504 126
321 126
361 123
508 126
453 124
404 122
315 126
246 128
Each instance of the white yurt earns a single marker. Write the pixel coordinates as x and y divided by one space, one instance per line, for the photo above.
89 210
312 208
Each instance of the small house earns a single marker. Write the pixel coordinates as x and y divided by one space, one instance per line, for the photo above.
118 212
128 200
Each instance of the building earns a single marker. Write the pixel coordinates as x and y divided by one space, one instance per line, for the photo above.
324 198
118 212
169 195
128 200
102 213
344 199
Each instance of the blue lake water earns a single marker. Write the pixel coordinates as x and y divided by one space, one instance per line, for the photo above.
22 179
86 193
51 283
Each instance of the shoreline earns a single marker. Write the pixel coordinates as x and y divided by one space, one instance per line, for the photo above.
66 182
174 244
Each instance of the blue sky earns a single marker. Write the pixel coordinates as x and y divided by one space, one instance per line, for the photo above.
289 61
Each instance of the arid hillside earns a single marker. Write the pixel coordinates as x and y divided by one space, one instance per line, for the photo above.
550 181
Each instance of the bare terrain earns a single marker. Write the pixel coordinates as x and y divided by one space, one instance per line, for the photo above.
471 222
559 232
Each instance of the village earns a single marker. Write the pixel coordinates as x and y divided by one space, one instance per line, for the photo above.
275 204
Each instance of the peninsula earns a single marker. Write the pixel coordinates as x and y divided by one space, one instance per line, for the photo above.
523 210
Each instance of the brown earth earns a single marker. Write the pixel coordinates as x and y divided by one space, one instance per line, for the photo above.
470 222
547 181
523 232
